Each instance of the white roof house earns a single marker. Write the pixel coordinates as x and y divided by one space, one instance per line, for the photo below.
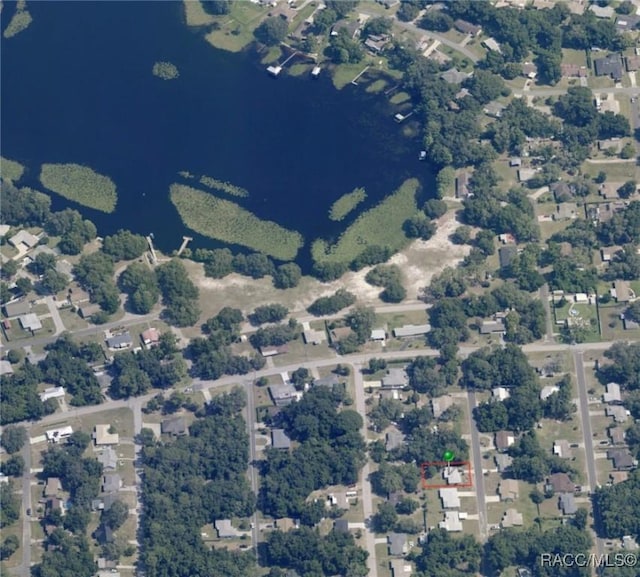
500 393
30 322
378 335
102 436
450 498
52 393
451 521
612 394
24 238
411 330
547 391
5 368
56 435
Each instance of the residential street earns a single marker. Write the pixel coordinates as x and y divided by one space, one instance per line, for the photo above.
253 468
477 468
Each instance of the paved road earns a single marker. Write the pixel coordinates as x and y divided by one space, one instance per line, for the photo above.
628 90
25 568
477 467
583 408
369 536
136 407
544 297
609 160
253 472
429 34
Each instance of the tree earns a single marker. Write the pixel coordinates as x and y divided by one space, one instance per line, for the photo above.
124 245
271 313
9 269
377 26
437 20
408 12
332 304
419 227
341 7
24 285
287 275
10 545
627 189
434 207
217 7
116 515
13 467
53 282
13 438
9 505
386 518
272 31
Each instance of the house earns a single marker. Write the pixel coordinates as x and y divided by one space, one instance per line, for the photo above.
515 162
411 331
341 525
488 327
225 529
607 253
5 368
622 459
503 462
616 477
561 191
511 518
567 504
286 524
452 476
609 66
629 543
57 435
561 449
23 241
629 325
328 381
566 211
393 440
107 458
462 185
351 28
612 144
440 404
30 322
530 70
111 483
450 498
494 110
53 487
492 45
632 63
451 521
395 379
573 71
17 308
378 335
397 544
54 504
279 439
508 490
627 22
547 391
617 435
560 483
122 341
87 311
175 426
376 43
52 393
500 393
606 12
623 291
618 412
454 76
283 394
466 27
506 254
340 333
150 337
400 568
612 394
273 351
525 174
504 440
102 436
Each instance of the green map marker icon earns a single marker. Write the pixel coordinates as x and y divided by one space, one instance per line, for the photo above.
448 456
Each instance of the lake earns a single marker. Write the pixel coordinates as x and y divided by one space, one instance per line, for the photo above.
78 87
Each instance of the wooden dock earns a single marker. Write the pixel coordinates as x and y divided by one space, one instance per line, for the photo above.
185 241
359 75
154 257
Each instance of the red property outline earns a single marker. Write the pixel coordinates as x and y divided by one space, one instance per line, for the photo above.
427 464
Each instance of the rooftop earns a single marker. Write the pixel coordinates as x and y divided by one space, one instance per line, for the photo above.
102 436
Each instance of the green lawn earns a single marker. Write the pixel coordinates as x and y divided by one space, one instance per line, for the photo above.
616 171
236 28
10 169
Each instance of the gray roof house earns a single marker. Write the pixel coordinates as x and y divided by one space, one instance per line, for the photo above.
609 66
122 341
622 459
280 439
397 544
612 394
111 483
17 308
567 504
282 394
393 440
411 330
395 379
175 426
506 254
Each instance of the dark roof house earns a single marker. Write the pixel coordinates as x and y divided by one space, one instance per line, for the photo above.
609 66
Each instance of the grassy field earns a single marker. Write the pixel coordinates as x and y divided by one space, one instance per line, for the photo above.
80 184
235 30
343 74
616 171
381 226
346 203
165 70
226 221
10 169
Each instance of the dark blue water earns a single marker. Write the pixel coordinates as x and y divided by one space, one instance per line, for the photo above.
77 87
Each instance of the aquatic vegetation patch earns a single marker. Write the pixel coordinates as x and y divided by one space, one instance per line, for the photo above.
10 169
346 203
80 184
19 22
222 186
379 226
228 222
165 70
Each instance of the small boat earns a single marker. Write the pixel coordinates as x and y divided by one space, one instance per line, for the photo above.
423 155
